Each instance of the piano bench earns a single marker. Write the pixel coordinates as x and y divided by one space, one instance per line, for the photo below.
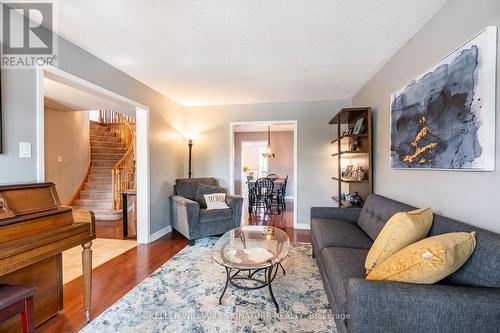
16 300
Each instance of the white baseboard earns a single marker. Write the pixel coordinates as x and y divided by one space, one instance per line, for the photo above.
302 226
160 233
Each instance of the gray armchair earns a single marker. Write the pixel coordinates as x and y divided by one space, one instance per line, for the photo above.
194 222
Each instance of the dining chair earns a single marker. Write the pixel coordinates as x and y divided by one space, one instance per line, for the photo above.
251 193
272 176
263 194
282 194
276 193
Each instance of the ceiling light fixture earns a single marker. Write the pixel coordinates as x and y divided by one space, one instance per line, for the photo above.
269 153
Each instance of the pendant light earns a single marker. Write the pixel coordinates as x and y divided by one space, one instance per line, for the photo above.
269 153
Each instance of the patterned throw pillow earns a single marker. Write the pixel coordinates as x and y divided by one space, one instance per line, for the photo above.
427 261
216 201
401 230
206 189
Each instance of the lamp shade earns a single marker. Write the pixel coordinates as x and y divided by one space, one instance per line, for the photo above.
269 152
191 136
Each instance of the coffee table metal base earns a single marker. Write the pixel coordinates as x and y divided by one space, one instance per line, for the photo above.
236 278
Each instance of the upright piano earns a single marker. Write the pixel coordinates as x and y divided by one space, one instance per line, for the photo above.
34 231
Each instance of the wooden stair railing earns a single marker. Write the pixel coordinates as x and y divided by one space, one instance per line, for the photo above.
123 173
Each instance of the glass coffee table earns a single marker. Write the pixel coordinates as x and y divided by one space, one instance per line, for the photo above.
248 250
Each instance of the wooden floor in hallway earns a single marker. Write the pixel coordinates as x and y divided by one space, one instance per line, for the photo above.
283 221
115 278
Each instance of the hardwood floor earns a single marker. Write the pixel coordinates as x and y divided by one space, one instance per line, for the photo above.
283 221
115 278
114 229
112 280
111 229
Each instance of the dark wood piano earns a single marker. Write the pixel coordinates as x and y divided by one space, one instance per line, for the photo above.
34 231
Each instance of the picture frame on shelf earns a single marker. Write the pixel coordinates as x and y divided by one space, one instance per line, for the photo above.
348 171
355 145
359 127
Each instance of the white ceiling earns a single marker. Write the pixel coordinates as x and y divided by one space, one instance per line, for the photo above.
61 96
232 52
263 128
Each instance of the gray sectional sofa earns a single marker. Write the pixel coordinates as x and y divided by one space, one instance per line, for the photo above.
466 301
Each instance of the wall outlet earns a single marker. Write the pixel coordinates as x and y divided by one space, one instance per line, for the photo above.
24 150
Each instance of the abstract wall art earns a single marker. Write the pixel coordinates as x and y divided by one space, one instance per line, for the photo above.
445 118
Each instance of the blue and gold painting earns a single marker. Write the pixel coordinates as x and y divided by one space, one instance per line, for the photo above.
445 118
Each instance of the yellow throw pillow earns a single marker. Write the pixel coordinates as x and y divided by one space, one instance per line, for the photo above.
427 261
401 230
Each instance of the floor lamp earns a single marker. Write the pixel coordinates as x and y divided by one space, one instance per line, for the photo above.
190 145
190 137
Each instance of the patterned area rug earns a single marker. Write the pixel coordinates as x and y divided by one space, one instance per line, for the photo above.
183 296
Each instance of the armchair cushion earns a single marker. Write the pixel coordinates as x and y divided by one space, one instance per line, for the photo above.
203 189
214 215
187 187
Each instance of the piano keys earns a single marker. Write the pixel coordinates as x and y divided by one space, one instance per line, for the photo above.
34 231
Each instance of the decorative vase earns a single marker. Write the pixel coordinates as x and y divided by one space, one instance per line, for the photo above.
355 199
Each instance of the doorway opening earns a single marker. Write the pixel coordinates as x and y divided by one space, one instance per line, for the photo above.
253 164
57 89
268 150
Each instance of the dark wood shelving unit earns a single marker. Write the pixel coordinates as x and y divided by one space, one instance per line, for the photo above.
350 180
350 136
342 146
350 153
342 203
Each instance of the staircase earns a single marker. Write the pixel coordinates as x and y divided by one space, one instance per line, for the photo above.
107 150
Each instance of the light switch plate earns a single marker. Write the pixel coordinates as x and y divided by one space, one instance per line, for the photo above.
24 150
59 159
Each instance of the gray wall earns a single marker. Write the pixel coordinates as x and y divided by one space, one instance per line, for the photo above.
282 165
19 98
67 134
19 125
211 149
468 196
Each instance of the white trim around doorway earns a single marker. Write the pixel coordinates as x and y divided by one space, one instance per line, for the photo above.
296 225
143 144
244 144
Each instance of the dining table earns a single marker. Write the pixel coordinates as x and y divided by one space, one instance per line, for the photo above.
278 183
